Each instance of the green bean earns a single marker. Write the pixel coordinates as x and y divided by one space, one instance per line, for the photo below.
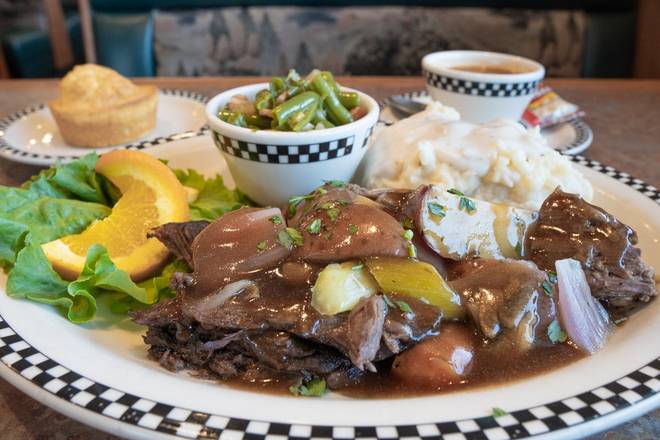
287 109
277 85
292 77
330 80
237 119
320 118
259 122
339 113
263 99
350 100
224 114
298 123
302 86
294 103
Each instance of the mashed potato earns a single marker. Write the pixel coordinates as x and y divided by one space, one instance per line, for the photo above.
499 161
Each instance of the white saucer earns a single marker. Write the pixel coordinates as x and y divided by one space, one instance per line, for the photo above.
31 135
572 137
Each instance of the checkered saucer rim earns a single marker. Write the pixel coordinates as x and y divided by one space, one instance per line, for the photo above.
580 143
11 152
35 373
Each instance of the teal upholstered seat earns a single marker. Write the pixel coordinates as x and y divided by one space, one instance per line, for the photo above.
29 55
125 42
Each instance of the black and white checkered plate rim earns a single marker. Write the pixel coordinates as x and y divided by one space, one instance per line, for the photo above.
11 151
123 407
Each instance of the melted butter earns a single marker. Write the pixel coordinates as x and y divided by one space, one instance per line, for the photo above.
501 231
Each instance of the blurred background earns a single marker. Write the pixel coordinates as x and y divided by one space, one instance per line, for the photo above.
572 38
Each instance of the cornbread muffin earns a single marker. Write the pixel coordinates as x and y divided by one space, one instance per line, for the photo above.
98 107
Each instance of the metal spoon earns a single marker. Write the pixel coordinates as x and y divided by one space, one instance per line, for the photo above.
404 106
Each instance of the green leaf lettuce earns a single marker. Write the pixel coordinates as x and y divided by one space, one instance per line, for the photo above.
214 199
66 199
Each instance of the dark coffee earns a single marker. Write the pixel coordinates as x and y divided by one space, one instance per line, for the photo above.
489 68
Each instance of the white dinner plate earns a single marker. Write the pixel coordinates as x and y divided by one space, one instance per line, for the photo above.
572 137
99 373
31 135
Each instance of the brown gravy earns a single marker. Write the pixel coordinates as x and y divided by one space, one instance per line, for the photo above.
491 368
490 68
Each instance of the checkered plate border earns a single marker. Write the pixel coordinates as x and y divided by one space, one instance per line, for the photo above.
27 362
579 144
18 154
480 88
286 154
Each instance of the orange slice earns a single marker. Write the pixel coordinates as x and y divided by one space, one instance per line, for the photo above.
151 195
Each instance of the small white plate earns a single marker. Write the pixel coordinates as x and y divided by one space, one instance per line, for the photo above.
31 135
99 373
572 137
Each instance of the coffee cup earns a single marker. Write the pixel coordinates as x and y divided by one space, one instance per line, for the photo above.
482 85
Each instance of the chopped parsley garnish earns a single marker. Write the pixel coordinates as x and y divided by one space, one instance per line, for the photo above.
358 266
407 223
262 245
464 202
467 205
314 227
343 202
333 213
295 235
289 238
284 239
330 209
276 220
352 229
321 191
547 288
335 183
403 306
555 332
412 250
499 412
295 201
313 388
292 210
436 209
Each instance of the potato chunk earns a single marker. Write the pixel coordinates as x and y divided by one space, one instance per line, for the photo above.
437 361
339 287
460 227
417 279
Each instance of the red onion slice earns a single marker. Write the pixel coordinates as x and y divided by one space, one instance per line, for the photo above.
583 318
200 308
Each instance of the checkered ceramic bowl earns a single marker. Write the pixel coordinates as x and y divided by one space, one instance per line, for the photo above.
271 166
478 96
